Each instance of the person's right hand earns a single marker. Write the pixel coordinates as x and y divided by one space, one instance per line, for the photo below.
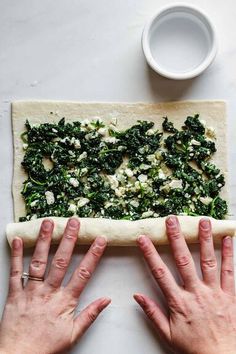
39 318
202 313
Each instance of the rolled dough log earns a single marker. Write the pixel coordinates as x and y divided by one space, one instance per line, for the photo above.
120 232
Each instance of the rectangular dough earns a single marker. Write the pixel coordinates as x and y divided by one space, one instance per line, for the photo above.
127 114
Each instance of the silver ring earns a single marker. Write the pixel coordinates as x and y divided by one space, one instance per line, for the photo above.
29 277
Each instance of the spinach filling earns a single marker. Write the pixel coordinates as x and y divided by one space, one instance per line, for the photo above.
92 169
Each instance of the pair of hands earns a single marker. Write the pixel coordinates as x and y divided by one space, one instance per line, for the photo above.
201 314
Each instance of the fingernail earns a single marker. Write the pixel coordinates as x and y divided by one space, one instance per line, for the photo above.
16 243
205 224
171 220
101 241
227 241
73 223
105 301
139 298
142 240
47 225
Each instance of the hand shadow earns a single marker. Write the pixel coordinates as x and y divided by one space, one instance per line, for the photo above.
167 89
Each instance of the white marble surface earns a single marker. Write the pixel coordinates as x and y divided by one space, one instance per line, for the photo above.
90 50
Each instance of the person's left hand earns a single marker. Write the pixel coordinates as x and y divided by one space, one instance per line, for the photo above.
39 318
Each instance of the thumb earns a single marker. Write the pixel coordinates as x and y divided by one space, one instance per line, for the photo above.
84 320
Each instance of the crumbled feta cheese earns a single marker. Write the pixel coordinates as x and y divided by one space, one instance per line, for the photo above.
49 197
102 131
195 142
72 208
142 178
144 166
206 200
54 130
114 183
151 158
34 217
25 146
161 174
111 139
77 144
84 171
150 132
91 135
119 191
74 182
34 203
134 203
107 204
175 183
129 172
147 214
82 202
82 156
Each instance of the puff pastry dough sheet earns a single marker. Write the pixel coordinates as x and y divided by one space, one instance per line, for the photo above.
127 114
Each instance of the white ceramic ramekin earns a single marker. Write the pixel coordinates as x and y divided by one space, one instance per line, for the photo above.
179 42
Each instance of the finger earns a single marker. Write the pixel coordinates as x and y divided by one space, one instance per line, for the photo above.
156 315
207 253
86 268
227 266
181 253
39 260
88 316
158 268
63 255
15 282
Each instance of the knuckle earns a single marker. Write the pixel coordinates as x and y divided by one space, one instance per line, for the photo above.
84 273
91 316
71 235
182 261
15 273
206 235
175 235
227 272
158 273
209 263
43 236
177 306
148 252
60 263
150 312
96 253
37 263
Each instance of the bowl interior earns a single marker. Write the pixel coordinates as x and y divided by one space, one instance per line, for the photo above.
180 41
